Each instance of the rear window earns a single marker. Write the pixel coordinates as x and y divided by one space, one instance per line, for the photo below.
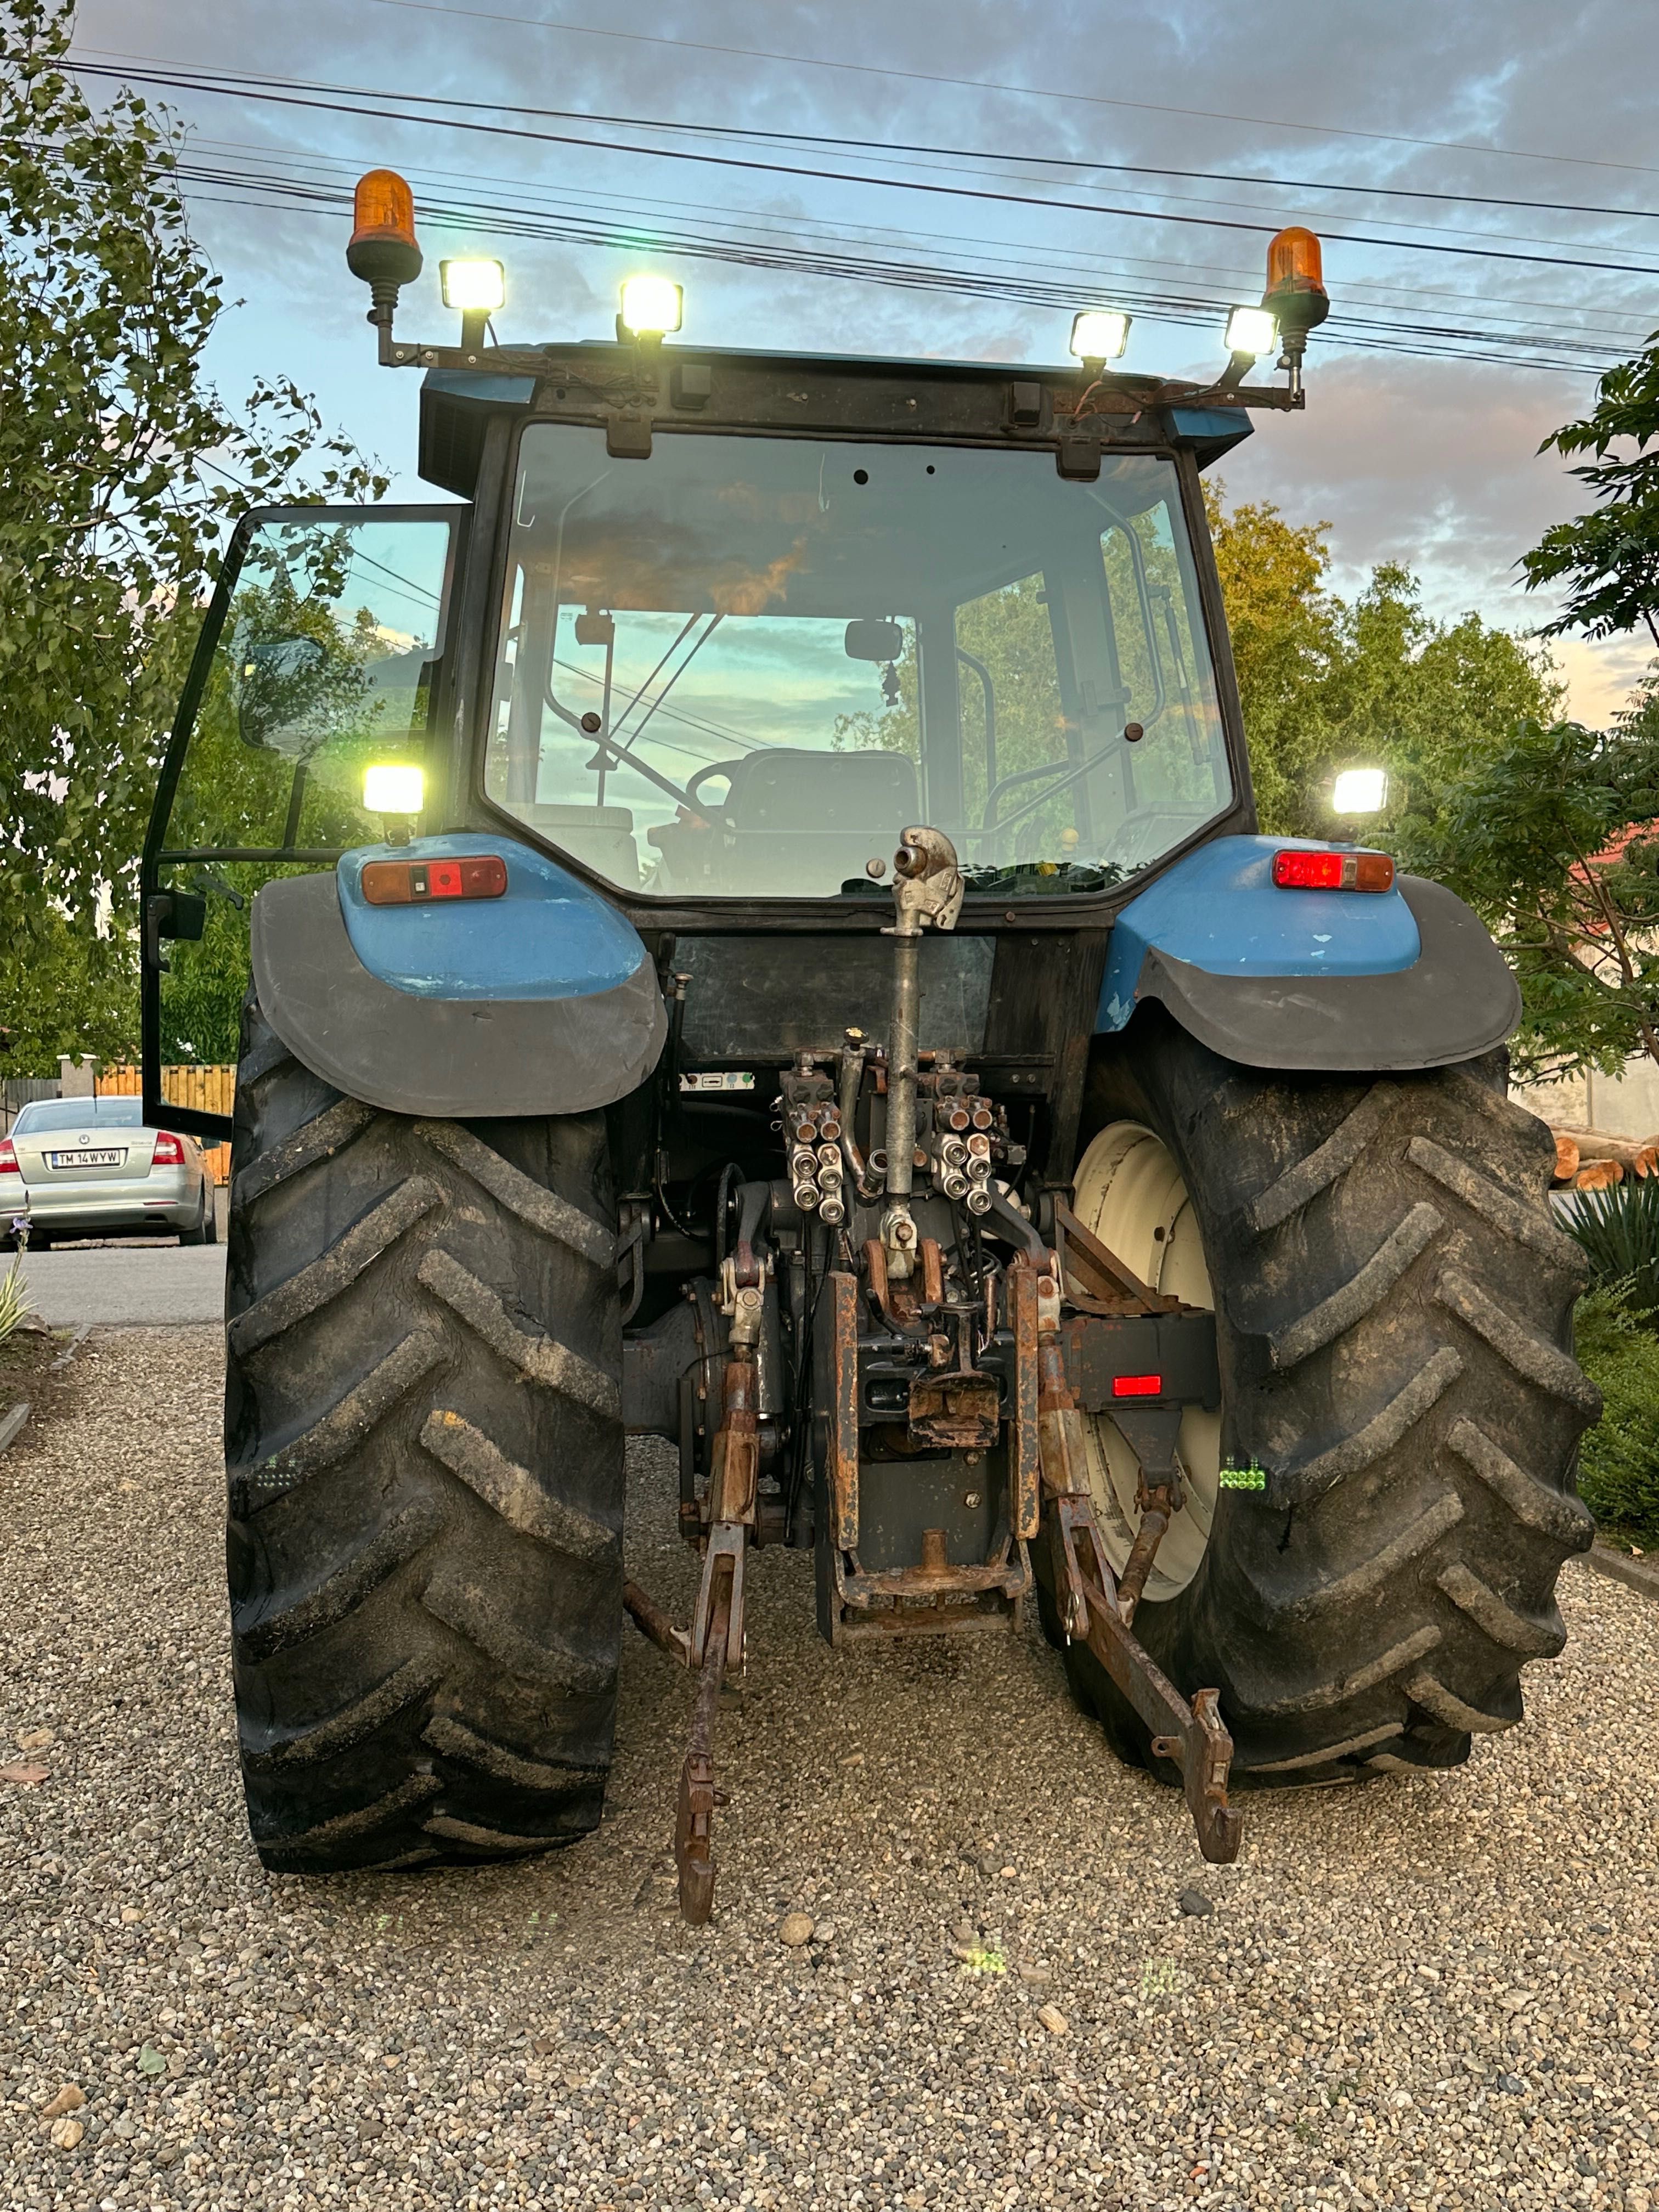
80 1114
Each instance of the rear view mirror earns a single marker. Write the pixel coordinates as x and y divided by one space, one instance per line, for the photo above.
596 629
874 640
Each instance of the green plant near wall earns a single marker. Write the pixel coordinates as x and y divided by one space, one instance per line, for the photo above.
1619 1458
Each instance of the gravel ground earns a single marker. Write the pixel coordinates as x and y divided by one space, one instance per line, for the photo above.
1439 1990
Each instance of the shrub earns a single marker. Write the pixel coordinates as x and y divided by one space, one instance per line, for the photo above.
1619 1458
1619 1228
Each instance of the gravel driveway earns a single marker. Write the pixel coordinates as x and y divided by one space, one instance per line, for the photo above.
1436 1991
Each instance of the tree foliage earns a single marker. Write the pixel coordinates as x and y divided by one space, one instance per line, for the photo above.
1327 682
1608 558
1553 838
120 466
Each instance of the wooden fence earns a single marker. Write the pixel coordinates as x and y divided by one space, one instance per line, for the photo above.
209 1090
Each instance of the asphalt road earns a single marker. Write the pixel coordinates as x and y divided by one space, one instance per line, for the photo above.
1435 1990
147 1283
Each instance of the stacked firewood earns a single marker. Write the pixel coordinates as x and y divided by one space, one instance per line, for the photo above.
1586 1159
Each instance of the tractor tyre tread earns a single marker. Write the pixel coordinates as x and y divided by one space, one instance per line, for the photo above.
1393 1321
425 1481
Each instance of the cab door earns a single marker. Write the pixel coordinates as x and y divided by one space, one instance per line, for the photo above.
325 653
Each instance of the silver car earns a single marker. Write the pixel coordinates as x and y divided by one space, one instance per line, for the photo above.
88 1167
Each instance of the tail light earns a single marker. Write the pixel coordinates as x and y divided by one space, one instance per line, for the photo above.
1333 871
7 1158
1137 1386
169 1150
408 883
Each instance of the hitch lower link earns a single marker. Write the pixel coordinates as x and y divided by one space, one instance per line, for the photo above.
712 1647
1098 1610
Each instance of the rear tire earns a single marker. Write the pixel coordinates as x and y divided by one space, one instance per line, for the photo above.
1393 1314
425 1452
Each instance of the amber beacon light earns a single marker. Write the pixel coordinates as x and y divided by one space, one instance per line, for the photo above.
384 250
1296 294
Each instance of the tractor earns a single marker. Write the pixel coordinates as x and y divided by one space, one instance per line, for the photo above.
751 929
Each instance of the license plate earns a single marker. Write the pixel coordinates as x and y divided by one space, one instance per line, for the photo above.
107 1159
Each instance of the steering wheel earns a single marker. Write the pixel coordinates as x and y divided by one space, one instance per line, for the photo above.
715 768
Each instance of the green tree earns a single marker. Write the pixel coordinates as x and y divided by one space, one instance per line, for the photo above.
1327 682
1550 837
1285 625
120 467
1608 558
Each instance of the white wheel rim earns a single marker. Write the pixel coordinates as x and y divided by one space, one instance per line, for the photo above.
1131 1196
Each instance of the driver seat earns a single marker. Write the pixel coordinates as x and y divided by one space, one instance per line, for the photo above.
799 824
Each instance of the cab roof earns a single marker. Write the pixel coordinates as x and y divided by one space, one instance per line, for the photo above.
809 395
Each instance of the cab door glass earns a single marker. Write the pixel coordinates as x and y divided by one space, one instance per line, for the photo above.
327 642
326 662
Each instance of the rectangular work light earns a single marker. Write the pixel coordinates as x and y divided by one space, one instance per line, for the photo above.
393 788
1253 330
475 287
1100 333
1360 790
651 307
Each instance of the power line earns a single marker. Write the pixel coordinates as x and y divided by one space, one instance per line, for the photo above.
1422 340
341 101
1082 281
977 154
1028 91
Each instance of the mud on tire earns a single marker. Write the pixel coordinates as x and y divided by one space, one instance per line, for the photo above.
1393 1319
424 1443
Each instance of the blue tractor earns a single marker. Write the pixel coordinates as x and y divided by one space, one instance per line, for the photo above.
757 936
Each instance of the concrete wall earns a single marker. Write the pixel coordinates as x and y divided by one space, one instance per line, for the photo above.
1624 1105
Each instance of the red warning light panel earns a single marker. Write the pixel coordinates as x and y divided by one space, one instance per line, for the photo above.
412 883
1137 1386
1333 871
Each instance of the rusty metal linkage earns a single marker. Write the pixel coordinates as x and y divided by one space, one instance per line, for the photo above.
1092 1610
714 1645
694 1823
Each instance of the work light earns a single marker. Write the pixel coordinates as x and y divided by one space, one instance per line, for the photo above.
651 307
1360 790
393 788
474 287
1252 330
1100 333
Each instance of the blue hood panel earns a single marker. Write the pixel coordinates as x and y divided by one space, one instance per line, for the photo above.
550 937
1219 910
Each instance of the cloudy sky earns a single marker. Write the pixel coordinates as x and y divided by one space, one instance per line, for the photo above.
999 163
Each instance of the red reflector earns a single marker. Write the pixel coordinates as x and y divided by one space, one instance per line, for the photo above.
1333 871
170 1152
1137 1386
408 883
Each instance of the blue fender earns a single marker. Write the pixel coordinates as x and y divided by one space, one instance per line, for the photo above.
541 1001
1334 980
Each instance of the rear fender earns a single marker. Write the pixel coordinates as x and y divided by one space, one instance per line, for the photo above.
541 1001
1333 980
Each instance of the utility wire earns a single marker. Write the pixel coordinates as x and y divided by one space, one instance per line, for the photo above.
1081 279
345 104
977 154
1026 91
1421 340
